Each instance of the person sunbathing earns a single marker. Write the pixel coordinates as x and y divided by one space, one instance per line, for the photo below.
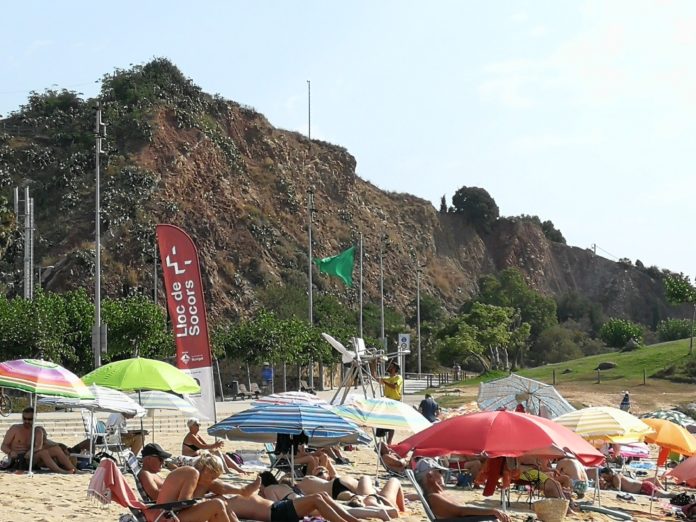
248 504
609 479
343 488
391 460
433 484
571 468
17 443
193 443
274 490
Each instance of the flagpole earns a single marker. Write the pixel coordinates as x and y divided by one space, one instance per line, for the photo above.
310 209
361 285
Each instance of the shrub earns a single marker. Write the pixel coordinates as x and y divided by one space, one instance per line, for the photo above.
617 332
673 329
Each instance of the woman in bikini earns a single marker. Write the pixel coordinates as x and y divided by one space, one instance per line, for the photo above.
193 443
355 505
344 488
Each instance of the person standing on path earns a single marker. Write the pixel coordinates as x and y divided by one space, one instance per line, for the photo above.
392 390
625 402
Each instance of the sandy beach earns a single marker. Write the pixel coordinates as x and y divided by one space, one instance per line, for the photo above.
47 497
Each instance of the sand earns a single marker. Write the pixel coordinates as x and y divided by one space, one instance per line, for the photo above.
53 498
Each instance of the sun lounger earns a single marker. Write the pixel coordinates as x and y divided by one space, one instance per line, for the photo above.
255 390
108 484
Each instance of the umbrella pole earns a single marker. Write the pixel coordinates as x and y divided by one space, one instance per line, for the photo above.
91 434
142 429
33 435
153 426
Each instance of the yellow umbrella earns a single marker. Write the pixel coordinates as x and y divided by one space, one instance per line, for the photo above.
670 437
605 423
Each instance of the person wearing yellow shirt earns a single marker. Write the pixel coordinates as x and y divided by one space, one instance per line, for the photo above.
392 390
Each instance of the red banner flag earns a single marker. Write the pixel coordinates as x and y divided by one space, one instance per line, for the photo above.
186 305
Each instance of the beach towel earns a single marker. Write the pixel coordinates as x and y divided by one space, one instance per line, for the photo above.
108 485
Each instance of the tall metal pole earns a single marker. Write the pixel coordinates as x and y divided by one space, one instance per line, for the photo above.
155 282
31 248
381 295
97 329
418 273
27 249
361 286
310 209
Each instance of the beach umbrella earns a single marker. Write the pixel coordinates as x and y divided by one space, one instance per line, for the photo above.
104 399
670 437
290 397
685 472
499 434
381 412
605 423
138 374
537 397
674 416
36 377
263 423
153 400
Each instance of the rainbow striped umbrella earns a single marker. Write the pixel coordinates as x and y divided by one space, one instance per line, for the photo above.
380 412
42 378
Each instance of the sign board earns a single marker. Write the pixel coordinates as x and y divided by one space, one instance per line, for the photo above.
404 344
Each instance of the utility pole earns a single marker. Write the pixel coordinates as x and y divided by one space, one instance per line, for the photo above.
419 270
99 329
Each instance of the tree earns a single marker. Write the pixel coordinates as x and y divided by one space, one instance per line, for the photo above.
443 205
552 233
556 344
679 290
617 332
477 206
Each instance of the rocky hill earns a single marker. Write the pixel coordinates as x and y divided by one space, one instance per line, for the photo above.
240 188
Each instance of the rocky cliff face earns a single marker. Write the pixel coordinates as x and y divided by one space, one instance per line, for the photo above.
240 188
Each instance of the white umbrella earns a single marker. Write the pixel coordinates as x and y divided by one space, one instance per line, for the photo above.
158 400
291 397
105 399
537 397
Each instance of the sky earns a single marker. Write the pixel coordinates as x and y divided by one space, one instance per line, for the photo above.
579 112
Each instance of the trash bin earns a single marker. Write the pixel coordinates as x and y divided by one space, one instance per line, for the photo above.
234 388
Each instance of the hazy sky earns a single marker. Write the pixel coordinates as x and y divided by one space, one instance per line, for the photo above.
581 112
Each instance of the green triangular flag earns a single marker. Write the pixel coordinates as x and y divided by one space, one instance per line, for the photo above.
339 266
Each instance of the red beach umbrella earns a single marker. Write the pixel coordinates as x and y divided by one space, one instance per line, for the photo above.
500 434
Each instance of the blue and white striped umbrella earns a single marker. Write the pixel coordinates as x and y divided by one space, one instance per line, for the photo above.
262 423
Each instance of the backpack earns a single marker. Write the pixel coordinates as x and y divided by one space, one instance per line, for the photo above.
236 457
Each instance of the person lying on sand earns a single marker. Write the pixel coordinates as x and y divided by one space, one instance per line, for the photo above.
356 504
571 468
433 484
17 443
610 479
245 502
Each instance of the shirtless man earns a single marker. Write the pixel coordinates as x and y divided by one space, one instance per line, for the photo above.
17 443
247 503
571 468
609 479
433 484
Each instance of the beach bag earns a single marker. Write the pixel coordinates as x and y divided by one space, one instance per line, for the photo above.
236 457
682 499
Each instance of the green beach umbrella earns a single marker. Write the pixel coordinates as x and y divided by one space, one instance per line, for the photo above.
139 374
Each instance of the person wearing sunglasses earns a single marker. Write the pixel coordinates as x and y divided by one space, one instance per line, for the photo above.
17 444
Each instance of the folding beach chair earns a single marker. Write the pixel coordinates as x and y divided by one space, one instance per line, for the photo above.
108 484
133 465
473 518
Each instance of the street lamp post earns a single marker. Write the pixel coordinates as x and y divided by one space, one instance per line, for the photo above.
419 270
99 329
382 247
41 269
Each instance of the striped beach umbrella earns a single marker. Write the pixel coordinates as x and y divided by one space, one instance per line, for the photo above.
605 423
384 413
42 378
674 416
263 423
290 397
39 377
105 399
